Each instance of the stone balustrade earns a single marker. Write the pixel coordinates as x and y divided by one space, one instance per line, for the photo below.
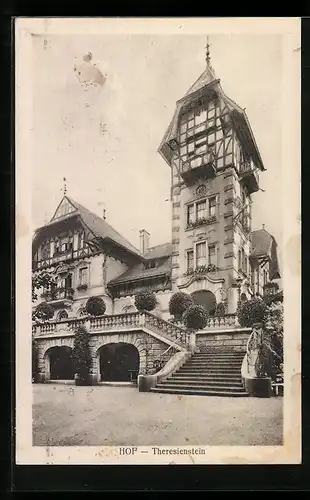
228 320
116 321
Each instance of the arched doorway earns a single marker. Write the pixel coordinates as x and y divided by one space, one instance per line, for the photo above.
206 299
61 363
119 362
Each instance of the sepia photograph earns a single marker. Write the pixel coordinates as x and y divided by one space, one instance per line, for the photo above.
155 251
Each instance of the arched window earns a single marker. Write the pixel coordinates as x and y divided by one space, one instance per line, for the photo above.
62 315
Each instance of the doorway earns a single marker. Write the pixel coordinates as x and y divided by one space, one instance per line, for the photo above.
61 363
119 362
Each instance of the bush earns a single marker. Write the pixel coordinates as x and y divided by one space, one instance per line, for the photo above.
251 312
220 309
81 354
195 317
145 301
95 306
179 303
44 311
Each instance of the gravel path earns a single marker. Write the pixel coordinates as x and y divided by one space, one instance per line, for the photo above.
74 416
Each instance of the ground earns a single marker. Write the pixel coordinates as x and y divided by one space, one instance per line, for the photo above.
66 415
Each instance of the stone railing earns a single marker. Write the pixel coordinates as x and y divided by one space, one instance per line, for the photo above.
135 320
165 327
116 321
229 320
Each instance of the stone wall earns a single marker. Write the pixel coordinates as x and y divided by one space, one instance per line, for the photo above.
149 348
213 341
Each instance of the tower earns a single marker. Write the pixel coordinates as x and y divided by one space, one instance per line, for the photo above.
214 161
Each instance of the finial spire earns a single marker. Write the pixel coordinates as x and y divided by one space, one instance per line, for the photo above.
208 59
65 186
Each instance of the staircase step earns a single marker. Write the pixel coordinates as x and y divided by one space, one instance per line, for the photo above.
202 378
227 388
201 383
219 363
196 392
220 369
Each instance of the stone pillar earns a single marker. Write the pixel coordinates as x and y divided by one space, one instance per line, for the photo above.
95 370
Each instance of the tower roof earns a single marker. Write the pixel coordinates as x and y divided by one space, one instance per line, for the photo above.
208 86
265 245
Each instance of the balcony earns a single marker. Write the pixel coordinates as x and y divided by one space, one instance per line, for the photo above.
249 176
59 296
197 167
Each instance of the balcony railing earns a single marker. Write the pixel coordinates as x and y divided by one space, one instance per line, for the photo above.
60 257
58 294
198 166
249 176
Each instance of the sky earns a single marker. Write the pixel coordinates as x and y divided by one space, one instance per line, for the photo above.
104 139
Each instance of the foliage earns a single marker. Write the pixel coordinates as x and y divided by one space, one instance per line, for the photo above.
42 280
81 353
43 312
34 358
95 306
202 221
220 309
251 311
145 301
195 317
178 304
201 270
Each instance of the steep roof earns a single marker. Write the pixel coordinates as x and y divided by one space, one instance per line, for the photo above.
207 83
264 244
98 226
161 253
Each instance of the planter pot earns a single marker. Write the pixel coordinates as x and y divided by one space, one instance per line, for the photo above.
259 387
146 382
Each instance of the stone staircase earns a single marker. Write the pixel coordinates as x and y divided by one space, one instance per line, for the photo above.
207 374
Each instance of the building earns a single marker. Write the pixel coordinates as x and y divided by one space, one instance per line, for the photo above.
214 254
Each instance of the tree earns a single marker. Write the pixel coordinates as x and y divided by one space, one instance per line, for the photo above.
179 303
195 317
145 301
42 280
251 311
81 354
95 306
43 312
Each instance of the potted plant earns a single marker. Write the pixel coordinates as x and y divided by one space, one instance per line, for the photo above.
178 304
220 309
145 301
195 317
251 312
95 306
43 312
82 286
81 356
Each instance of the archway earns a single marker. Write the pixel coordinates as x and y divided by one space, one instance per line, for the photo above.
61 363
62 315
119 362
206 299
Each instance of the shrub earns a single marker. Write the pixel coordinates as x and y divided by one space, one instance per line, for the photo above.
178 304
195 317
44 311
81 354
95 306
145 301
220 309
251 312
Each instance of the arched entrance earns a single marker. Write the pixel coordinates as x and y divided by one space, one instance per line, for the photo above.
119 362
206 299
61 363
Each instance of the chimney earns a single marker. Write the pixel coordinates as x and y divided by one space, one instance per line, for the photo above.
144 241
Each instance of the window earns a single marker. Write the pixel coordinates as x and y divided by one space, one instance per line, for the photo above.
83 276
190 214
56 251
45 251
239 259
62 315
190 260
212 255
81 240
265 276
201 210
200 254
212 205
151 264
